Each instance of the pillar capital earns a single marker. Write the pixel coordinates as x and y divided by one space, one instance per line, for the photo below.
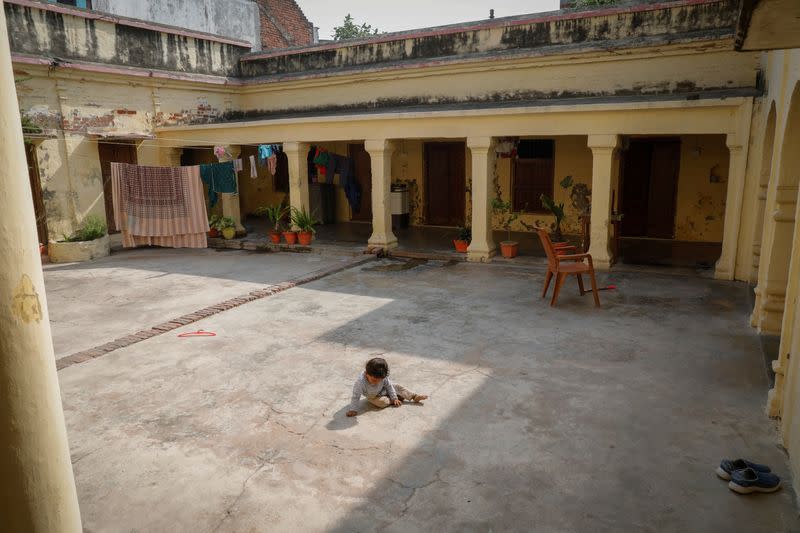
295 146
603 142
480 143
733 142
376 146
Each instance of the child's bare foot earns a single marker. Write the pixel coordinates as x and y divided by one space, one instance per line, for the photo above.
418 398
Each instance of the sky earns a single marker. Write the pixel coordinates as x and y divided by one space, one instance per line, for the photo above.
409 14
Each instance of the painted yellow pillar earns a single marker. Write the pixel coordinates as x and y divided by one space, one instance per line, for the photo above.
605 169
297 154
380 153
737 167
230 201
775 249
482 247
37 488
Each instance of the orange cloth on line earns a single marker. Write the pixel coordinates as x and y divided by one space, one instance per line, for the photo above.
159 206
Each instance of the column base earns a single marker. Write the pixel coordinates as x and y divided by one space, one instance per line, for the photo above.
770 316
773 406
722 272
480 256
601 263
382 242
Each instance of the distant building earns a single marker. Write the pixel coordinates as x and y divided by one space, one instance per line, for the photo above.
266 24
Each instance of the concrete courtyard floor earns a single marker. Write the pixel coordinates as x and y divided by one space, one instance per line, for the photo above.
539 419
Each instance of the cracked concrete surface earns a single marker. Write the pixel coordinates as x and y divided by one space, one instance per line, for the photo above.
95 302
540 419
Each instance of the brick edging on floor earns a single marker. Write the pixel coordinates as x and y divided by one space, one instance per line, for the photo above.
175 323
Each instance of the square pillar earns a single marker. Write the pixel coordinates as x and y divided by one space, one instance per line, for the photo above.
482 247
380 153
605 170
230 201
737 165
297 155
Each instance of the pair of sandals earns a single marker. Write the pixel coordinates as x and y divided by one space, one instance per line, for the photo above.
746 477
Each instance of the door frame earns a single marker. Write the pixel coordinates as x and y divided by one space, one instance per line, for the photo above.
462 146
676 139
366 195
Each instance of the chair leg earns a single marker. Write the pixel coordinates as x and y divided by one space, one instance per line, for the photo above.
560 277
547 279
580 283
595 293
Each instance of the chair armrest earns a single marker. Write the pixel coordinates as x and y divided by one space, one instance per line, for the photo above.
562 249
574 257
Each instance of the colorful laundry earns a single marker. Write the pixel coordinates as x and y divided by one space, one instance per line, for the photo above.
220 152
272 163
159 206
264 151
220 178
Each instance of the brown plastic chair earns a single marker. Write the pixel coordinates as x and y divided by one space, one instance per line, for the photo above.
563 265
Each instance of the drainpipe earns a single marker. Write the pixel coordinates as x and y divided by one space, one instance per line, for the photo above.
37 488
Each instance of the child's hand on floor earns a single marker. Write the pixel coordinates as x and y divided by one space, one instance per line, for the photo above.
397 403
352 413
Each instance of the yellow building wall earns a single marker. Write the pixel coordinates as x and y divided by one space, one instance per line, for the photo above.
572 158
702 188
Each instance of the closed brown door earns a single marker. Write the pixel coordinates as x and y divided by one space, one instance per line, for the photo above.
649 188
445 183
36 191
363 173
113 152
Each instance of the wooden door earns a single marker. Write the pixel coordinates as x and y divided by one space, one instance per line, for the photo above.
649 188
445 183
113 152
36 192
363 173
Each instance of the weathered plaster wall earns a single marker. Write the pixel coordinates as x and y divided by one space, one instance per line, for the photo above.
702 188
680 22
237 19
572 158
85 36
609 75
75 111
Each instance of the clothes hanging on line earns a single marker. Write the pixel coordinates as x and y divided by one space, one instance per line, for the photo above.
253 170
159 206
220 178
272 163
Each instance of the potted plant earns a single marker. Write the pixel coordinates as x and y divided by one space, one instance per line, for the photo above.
275 214
558 212
508 248
463 240
305 222
213 221
227 226
89 241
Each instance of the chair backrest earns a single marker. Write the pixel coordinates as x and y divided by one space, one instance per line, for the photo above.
547 244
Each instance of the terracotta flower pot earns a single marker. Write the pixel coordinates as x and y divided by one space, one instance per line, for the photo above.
229 233
213 232
461 246
509 249
275 237
305 237
290 236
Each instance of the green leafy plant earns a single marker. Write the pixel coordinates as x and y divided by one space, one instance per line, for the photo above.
558 212
506 214
465 234
351 30
213 221
303 219
93 227
274 213
225 222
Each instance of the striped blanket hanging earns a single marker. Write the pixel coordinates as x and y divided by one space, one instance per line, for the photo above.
159 206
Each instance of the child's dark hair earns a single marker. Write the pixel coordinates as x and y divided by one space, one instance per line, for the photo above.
377 368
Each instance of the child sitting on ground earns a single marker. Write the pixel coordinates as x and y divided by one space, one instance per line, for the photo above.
375 385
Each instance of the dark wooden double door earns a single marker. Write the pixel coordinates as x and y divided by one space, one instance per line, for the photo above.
649 186
445 183
113 152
